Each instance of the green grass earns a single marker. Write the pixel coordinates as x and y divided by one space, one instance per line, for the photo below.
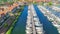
12 26
9 31
14 22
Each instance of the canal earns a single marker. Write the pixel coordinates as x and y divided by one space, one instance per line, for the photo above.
47 25
21 23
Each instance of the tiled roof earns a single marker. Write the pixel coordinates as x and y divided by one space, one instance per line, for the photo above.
9 8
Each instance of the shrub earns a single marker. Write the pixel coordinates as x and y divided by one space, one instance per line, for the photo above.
50 3
5 25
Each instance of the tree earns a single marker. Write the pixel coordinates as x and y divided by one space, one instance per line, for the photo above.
50 3
5 25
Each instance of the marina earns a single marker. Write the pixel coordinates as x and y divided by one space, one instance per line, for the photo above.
33 24
48 27
51 17
29 17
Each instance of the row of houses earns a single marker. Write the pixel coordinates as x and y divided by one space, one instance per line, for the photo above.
6 9
4 12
